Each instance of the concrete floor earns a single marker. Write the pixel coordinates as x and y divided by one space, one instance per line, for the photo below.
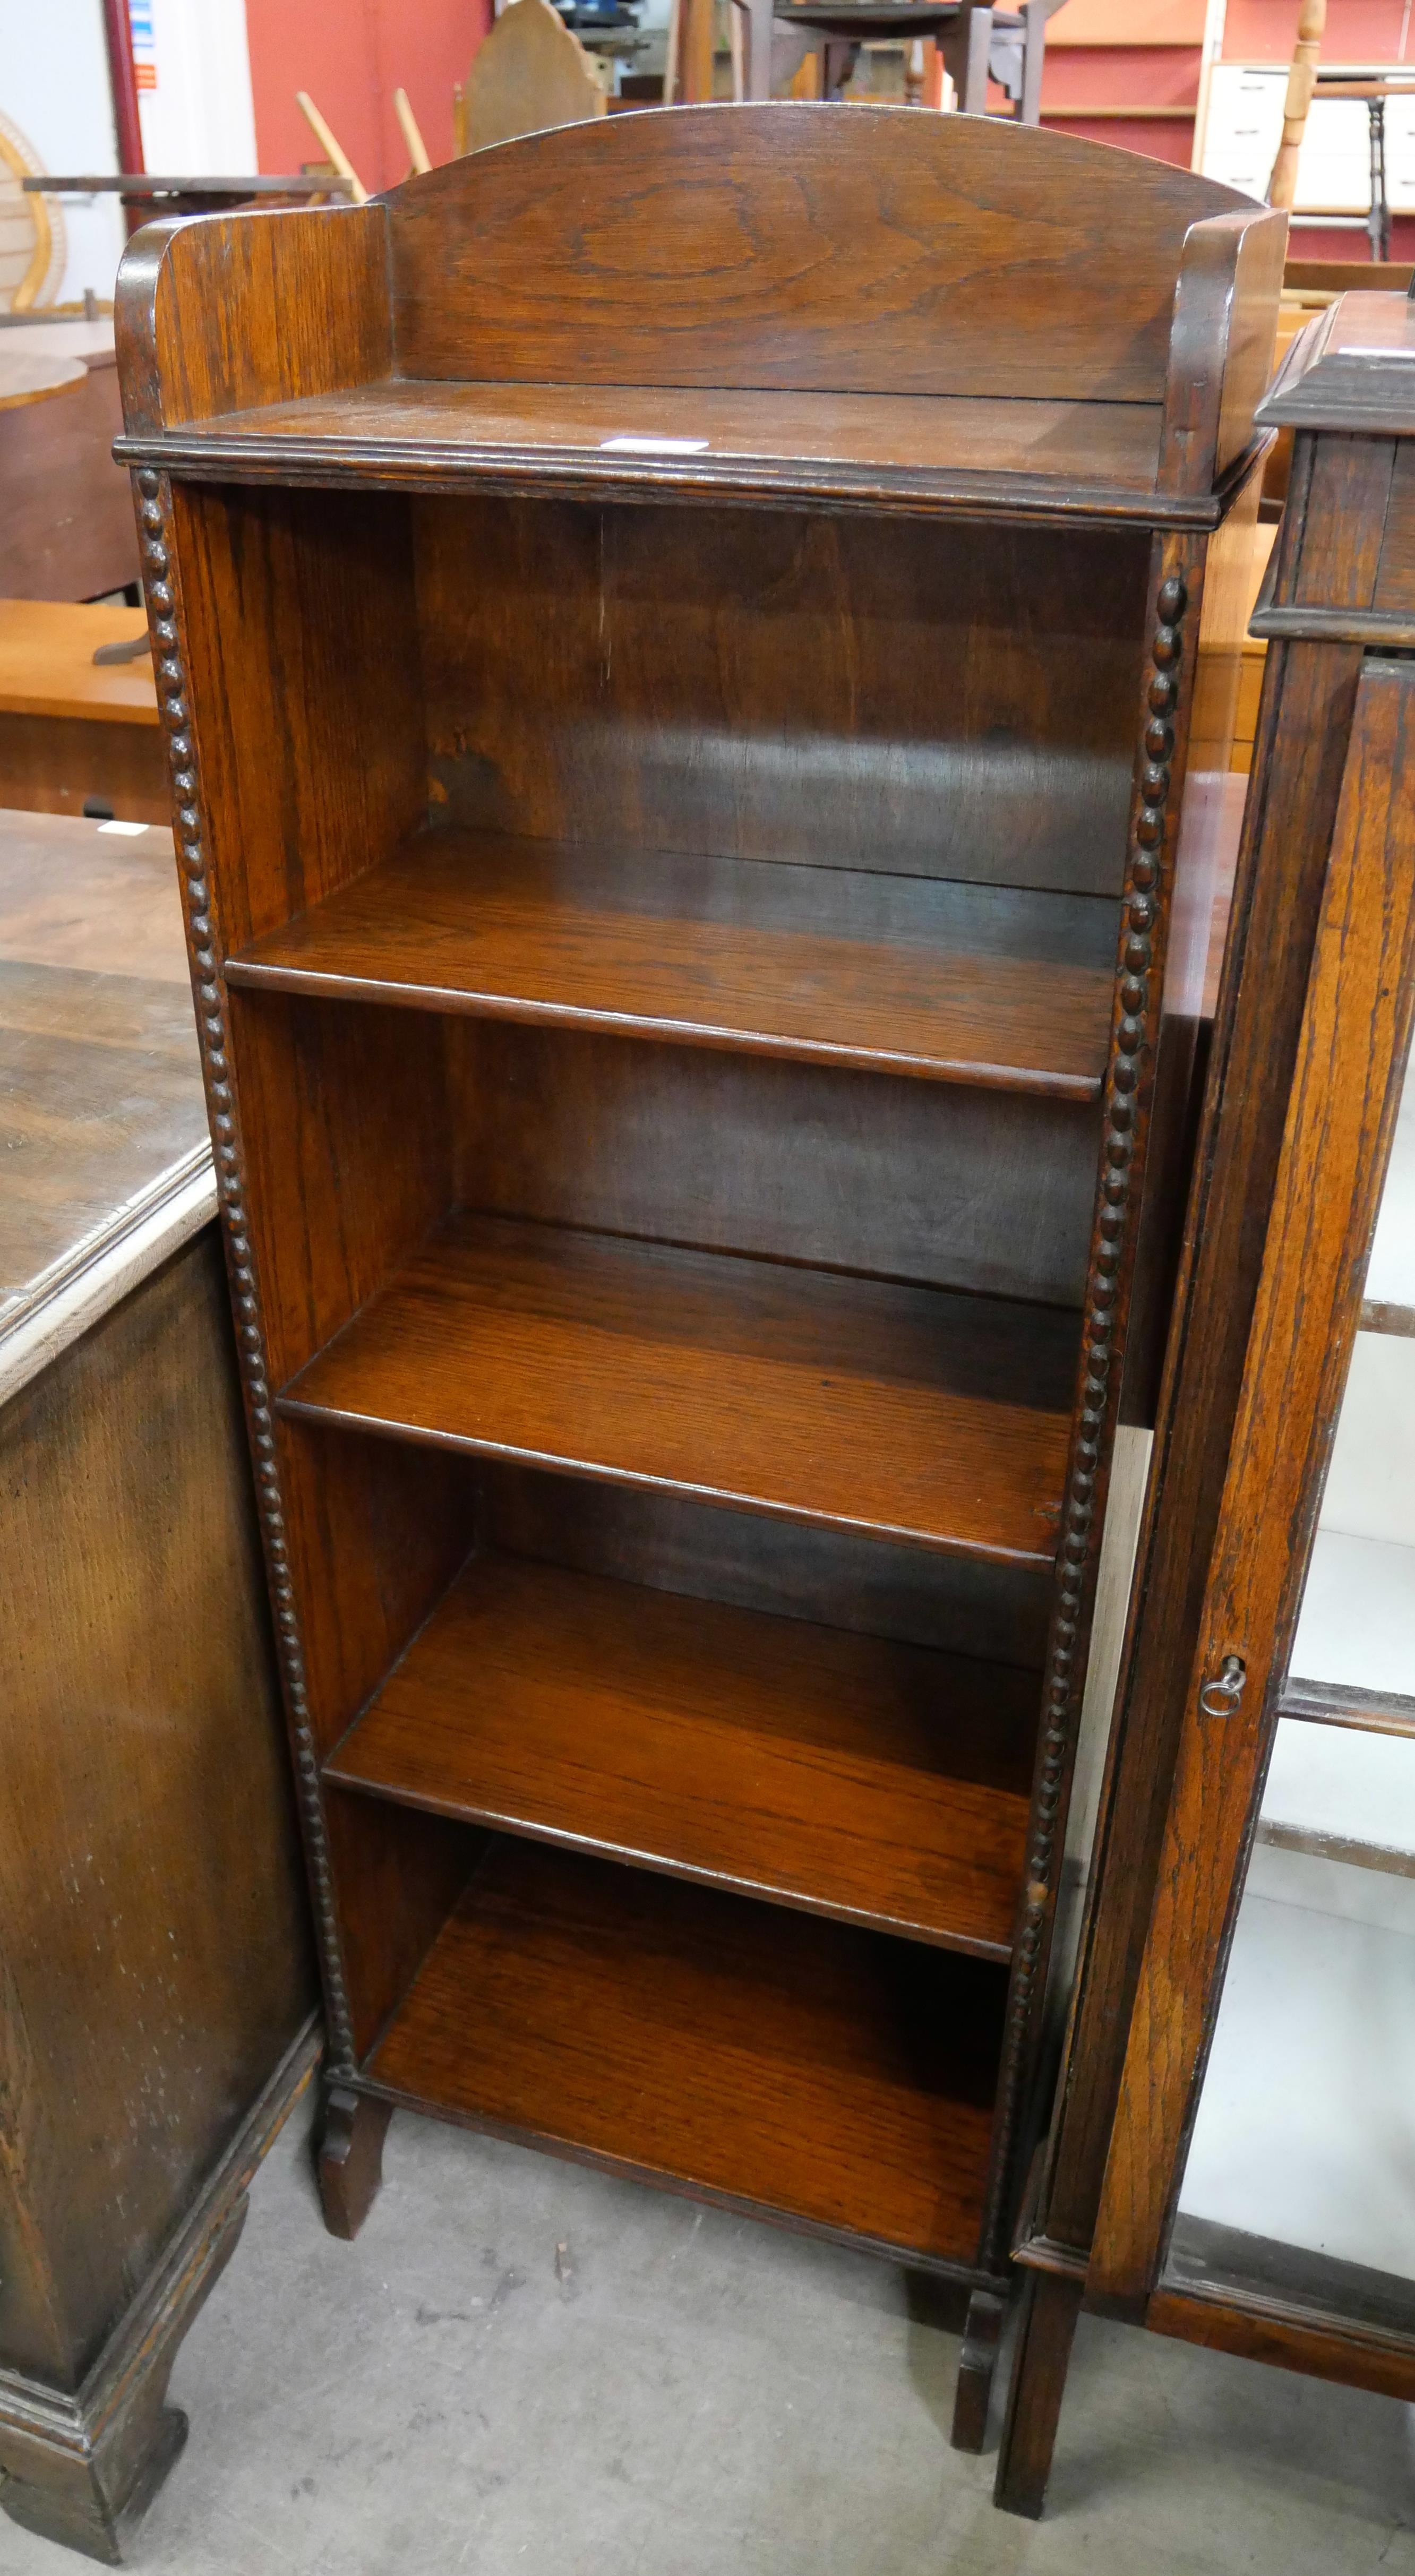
688 2394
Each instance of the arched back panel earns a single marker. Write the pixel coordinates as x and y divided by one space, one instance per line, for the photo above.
879 250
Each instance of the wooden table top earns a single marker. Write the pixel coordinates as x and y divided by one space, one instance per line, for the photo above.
25 378
47 666
103 1135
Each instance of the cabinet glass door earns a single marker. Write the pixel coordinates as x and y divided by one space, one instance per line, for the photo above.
1300 2178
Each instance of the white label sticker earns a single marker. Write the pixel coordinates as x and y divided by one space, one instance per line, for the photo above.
126 831
656 446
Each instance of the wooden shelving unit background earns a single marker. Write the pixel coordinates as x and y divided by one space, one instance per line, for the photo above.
699 1076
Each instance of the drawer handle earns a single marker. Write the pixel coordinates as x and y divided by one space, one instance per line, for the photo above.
1220 1697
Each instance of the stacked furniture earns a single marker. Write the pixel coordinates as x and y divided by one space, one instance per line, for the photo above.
1311 1041
77 735
679 639
158 2007
67 532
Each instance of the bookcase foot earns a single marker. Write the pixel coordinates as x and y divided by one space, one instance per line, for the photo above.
981 2332
349 2166
1050 2308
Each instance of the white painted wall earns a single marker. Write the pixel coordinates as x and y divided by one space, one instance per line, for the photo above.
198 120
54 84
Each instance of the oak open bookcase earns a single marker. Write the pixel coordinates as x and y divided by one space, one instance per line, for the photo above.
679 639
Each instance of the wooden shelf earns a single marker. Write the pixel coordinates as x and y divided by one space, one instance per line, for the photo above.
815 2073
841 1773
906 1411
966 983
1071 458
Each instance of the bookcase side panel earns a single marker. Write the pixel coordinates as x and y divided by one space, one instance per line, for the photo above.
297 749
300 653
1160 713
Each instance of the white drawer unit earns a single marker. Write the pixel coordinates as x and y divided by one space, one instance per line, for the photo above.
1243 129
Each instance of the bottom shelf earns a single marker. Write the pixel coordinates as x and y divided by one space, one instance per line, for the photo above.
834 2079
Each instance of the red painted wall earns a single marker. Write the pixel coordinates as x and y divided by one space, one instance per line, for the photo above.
351 55
1358 31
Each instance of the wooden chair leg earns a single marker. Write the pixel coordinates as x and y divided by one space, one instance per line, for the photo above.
349 2166
1050 2308
981 2334
965 52
760 19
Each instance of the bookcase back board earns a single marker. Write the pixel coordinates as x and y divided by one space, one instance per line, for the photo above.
680 906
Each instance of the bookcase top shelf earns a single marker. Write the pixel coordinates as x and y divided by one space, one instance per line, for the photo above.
869 450
766 303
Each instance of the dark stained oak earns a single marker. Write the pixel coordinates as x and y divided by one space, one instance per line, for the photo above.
936 700
987 1191
852 1401
349 2164
1054 459
835 2078
782 540
844 1774
1312 1034
763 246
59 765
1046 2329
1315 2345
964 983
67 531
268 300
825 291
1354 1041
952 1605
156 1980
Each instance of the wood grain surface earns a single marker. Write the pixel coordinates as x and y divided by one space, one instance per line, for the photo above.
102 903
145 1769
498 1277
67 764
268 288
1317 2348
67 530
840 1773
100 1090
775 246
952 701
1060 459
851 1401
953 1605
47 666
1287 834
819 2074
966 984
985 1191
1355 1036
